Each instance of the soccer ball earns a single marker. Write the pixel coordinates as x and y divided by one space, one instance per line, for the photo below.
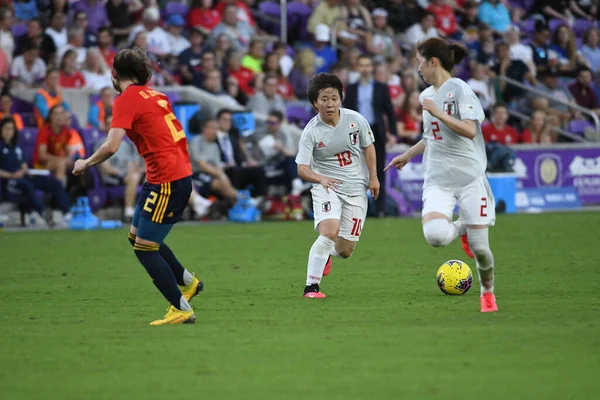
454 277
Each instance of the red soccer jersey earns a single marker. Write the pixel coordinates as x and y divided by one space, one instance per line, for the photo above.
508 135
56 143
445 19
148 118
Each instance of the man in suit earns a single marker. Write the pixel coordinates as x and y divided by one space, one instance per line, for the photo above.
372 100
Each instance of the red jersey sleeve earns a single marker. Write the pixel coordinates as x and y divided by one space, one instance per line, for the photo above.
526 136
124 112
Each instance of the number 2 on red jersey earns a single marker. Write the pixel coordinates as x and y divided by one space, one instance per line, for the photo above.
436 130
169 118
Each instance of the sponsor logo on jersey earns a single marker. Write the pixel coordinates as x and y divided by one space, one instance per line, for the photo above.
320 145
354 137
326 207
450 107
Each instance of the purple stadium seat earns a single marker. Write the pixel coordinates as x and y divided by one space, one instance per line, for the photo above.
177 8
28 119
528 26
582 25
91 136
299 114
271 9
298 15
27 139
579 126
555 23
19 29
21 106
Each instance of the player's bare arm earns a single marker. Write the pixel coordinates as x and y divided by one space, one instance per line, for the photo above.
309 175
104 152
400 161
466 128
371 159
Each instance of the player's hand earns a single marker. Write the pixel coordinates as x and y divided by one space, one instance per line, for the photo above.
79 167
330 183
398 162
374 187
429 106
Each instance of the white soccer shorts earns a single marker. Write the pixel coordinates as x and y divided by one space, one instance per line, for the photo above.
475 201
351 211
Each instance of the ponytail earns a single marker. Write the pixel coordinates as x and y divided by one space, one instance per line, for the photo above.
449 54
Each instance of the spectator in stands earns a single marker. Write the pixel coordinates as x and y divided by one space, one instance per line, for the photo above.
401 13
57 30
255 58
96 12
552 9
422 30
350 58
75 40
583 92
304 69
383 43
7 41
563 44
190 60
238 164
70 77
120 19
48 97
515 69
286 62
495 14
498 129
239 32
157 39
82 22
585 9
355 24
591 49
101 109
96 75
223 46
243 13
15 175
267 99
470 21
161 76
541 50
482 49
272 66
410 118
35 36
177 42
277 150
538 129
382 74
208 174
326 55
232 88
25 10
445 19
213 85
28 70
202 16
372 100
479 82
105 47
124 168
548 84
243 75
341 71
6 103
327 13
519 51
52 150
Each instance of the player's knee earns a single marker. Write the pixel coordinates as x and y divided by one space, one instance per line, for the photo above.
436 232
329 232
346 253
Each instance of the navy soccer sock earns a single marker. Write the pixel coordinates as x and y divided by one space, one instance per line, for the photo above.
162 276
167 254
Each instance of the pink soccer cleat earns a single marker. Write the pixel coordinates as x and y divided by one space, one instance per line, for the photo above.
464 241
327 267
488 302
314 295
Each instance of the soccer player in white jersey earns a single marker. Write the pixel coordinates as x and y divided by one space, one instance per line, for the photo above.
454 162
337 155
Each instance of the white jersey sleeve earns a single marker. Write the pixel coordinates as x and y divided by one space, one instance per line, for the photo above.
366 135
469 106
305 147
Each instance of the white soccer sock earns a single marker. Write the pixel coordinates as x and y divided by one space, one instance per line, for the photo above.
462 228
187 277
335 253
440 232
317 258
480 245
184 305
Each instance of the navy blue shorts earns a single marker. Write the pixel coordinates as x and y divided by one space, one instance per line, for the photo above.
203 183
159 207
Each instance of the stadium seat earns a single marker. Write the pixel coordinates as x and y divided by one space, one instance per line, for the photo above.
299 114
298 15
582 25
177 8
19 29
579 126
271 9
555 23
528 26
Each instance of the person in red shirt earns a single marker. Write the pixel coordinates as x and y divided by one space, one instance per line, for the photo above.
445 18
202 16
244 76
243 11
146 117
51 150
498 131
70 77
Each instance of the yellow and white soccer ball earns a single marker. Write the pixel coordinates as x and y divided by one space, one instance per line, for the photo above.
454 277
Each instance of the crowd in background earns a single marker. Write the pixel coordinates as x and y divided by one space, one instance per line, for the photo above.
231 49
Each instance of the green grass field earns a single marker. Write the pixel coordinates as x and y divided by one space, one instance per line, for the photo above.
75 311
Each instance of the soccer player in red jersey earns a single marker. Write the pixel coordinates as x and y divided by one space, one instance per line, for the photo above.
146 117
